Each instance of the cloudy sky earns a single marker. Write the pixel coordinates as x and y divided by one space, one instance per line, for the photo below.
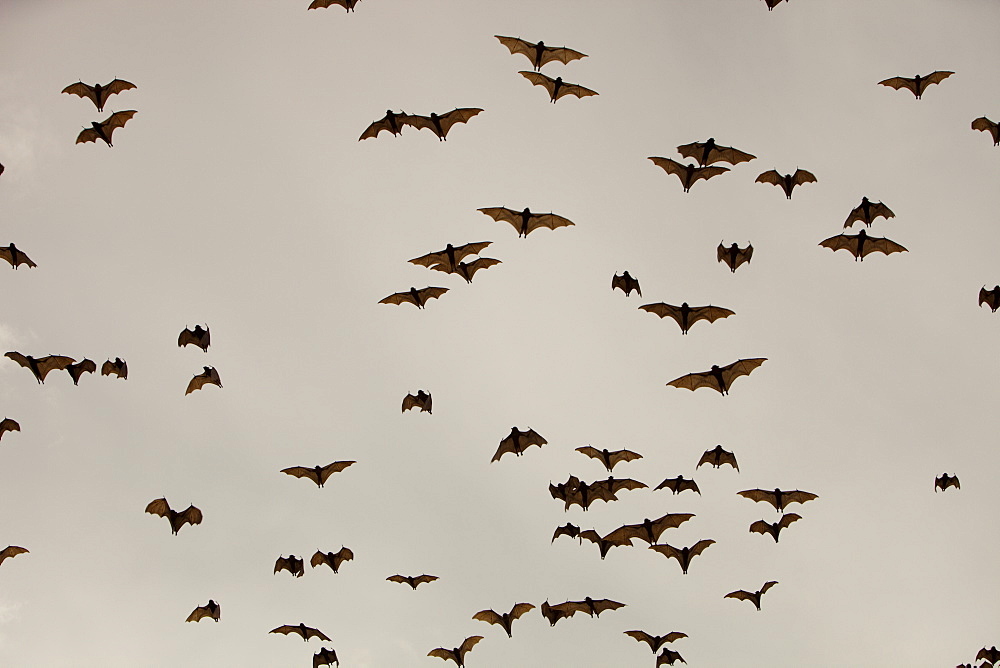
240 197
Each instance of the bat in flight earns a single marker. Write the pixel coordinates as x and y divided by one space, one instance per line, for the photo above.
449 258
332 559
557 88
15 256
421 400
734 256
97 93
506 619
991 655
608 458
391 122
650 530
413 296
413 580
718 378
440 125
990 297
468 269
307 632
717 457
668 657
554 613
683 555
625 283
40 367
212 610
456 654
118 368
318 474
77 370
688 174
685 315
603 543
538 53
326 657
984 124
709 152
10 552
568 529
867 212
678 485
189 515
349 6
655 642
859 245
593 607
517 441
207 377
524 221
8 425
766 528
786 182
195 337
753 597
292 564
944 481
918 84
105 128
778 498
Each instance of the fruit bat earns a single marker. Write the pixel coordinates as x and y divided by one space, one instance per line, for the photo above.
678 485
685 315
983 124
718 378
683 555
207 377
609 459
771 4
753 597
118 368
717 457
708 152
97 93
525 222
506 619
604 543
650 530
688 174
766 528
413 296
349 6
567 529
655 642
788 181
867 212
517 441
539 54
326 657
917 84
189 515
615 485
563 490
82 367
554 613
594 608
669 657
778 498
990 297
456 654
195 337
8 425
421 400
734 256
40 367
212 610
307 632
557 87
318 474
859 245
332 559
412 580
10 552
468 269
105 128
292 564
584 494
440 125
391 122
944 481
625 283
15 256
449 258
992 655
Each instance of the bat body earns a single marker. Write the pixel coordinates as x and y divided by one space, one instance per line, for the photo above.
655 642
10 552
292 564
683 555
209 376
650 530
413 296
538 53
718 378
195 337
668 657
468 269
506 619
734 256
944 481
421 400
983 124
8 425
766 528
786 182
332 559
524 221
990 297
678 485
77 370
593 607
709 152
326 657
413 580
318 474
688 174
105 128
557 88
118 368
918 84
97 93
307 632
554 613
449 258
625 283
348 5
456 654
212 610
685 315
778 498
753 597
567 529
609 459
391 122
859 245
440 125
867 212
189 515
15 256
517 441
604 543
43 365
717 457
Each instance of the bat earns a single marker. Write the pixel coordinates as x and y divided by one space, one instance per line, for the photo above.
440 125
788 181
97 93
195 337
40 367
669 657
557 87
421 400
77 370
412 580
859 245
307 632
678 485
991 655
563 490
326 657
468 269
118 368
10 552
734 256
105 128
753 597
717 457
456 654
539 54
867 212
517 441
708 152
944 481
189 515
650 530
685 315
584 494
917 84
391 122
554 613
688 174
778 498
525 222
8 425
683 555
318 474
349 6
609 459
567 529
990 297
771 4
718 378
982 124
332 559
413 296
449 258
594 608
292 564
212 610
625 283
15 256
614 485
207 377
655 642
604 543
506 619
764 528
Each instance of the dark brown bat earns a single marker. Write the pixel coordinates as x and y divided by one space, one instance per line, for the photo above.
8 425
685 315
40 367
11 551
766 528
918 84
539 54
97 93
678 485
449 258
867 212
603 543
717 457
771 4
189 515
506 619
668 657
859 245
563 490
517 441
118 368
655 642
421 400
990 297
688 174
718 378
195 337
709 152
207 377
327 657
349 6
412 580
332 559
413 296
788 181
440 125
307 632
456 654
609 459
557 88
318 474
649 530
944 481
468 269
15 256
391 122
567 529
625 283
983 124
778 498
584 494
292 564
77 370
734 256
212 610
991 655
753 597
105 128
554 613
683 555
593 607
524 221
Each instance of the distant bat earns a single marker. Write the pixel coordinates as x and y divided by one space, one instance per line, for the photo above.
207 377
567 529
421 400
468 269
11 551
917 84
8 425
307 632
456 654
867 212
327 657
655 642
506 619
189 515
788 181
539 54
593 607
97 93
292 564
984 124
105 128
517 441
668 657
413 296
766 528
212 610
40 367
15 256
718 378
688 174
753 597
990 297
683 555
603 543
554 613
650 530
318 474
195 337
944 481
734 256
349 6
412 580
678 485
449 258
708 152
609 459
717 457
440 125
557 88
625 283
524 221
77 370
991 655
685 315
118 368
859 245
778 498
332 559
391 122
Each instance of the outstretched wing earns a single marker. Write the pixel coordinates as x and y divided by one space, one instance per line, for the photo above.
335 467
467 645
669 166
768 585
900 82
848 242
741 367
574 89
798 496
460 252
742 595
488 616
881 245
693 381
503 215
664 310
517 45
61 363
623 456
520 609
700 547
802 176
936 77
191 515
984 124
759 495
454 116
11 551
549 220
539 79
710 313
117 120
431 293
83 90
787 519
398 298
158 507
302 472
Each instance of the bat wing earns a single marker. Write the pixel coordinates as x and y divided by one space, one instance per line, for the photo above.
87 135
710 313
109 368
83 90
670 166
739 368
202 379
302 472
117 86
320 558
335 467
622 535
570 530
670 521
668 551
742 595
398 298
456 115
467 645
549 220
560 54
700 547
771 176
693 150
316 633
848 242
768 585
19 358
286 629
60 363
798 496
398 578
431 293
191 515
488 616
642 636
574 89
707 173
8 425
11 551
376 127
520 609
503 215
421 579
616 485
443 653
900 82
606 604
759 495
590 451
693 381
410 401
517 45
664 311
473 267
802 176
159 507
539 79
624 456
881 245
731 155
787 519
984 124
937 77
117 120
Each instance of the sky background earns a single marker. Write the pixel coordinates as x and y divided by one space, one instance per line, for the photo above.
239 196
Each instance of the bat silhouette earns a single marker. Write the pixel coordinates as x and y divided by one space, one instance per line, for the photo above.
688 174
771 4
82 367
292 564
40 367
594 608
421 400
10 552
349 6
650 530
609 459
709 152
567 529
867 212
655 642
440 125
683 555
753 597
307 632
97 93
449 258
118 368
413 580
413 296
326 657
625 283
456 654
525 222
563 490
718 378
984 124
991 655
734 256
554 613
539 54
614 485
685 315
766 528
778 498
517 441
212 610
944 481
207 377
669 657
468 269
15 256
195 337
557 88
717 457
604 543
318 474
583 494
105 128
859 245
391 122
332 559
506 619
189 515
678 485
8 425
917 84
788 181
990 297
